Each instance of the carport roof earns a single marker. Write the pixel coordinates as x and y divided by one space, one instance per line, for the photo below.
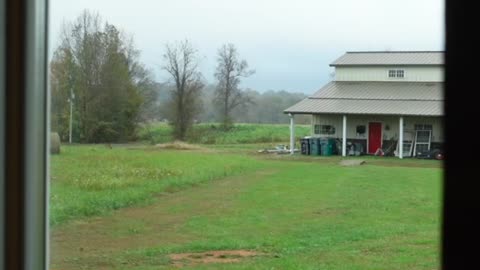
385 98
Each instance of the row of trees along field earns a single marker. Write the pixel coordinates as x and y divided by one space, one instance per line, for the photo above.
97 67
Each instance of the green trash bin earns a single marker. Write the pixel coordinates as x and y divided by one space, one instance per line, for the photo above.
327 145
314 146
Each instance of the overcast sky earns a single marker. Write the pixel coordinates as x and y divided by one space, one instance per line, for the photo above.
289 43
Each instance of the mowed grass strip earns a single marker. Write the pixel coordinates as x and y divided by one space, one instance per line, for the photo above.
93 179
315 216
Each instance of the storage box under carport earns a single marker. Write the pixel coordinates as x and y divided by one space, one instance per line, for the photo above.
314 146
327 146
305 146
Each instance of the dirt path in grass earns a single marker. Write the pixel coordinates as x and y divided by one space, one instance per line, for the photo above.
94 243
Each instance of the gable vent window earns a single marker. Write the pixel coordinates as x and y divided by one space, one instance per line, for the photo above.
396 73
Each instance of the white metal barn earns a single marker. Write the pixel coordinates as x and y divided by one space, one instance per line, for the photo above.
378 99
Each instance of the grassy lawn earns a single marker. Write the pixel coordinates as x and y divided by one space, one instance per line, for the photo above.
295 212
212 134
93 180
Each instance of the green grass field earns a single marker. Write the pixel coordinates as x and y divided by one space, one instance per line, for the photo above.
131 208
239 134
92 180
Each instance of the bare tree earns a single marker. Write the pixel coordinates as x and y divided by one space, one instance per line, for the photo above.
230 69
182 64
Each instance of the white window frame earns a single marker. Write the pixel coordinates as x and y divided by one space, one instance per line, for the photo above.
428 143
402 71
393 73
320 129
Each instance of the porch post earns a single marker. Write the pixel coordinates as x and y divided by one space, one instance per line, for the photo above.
400 138
344 136
292 134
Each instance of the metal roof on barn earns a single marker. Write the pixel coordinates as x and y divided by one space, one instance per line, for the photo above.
384 98
394 58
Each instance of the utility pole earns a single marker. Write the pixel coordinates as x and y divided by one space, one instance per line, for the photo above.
72 97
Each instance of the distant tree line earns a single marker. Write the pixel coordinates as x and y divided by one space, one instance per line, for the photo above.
96 69
263 107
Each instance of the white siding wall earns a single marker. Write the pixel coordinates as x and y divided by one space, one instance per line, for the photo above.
414 74
391 121
326 119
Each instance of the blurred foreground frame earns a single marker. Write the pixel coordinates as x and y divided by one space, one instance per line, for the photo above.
460 232
23 134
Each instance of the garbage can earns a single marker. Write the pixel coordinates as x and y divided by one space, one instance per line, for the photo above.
327 145
305 146
314 147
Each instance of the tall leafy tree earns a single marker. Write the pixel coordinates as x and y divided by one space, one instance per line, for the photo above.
100 66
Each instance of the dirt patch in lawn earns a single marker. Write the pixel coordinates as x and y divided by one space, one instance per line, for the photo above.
217 256
179 145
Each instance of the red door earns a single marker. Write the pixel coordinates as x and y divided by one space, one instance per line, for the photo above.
374 137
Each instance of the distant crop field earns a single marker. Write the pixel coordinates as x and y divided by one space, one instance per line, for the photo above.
239 134
222 208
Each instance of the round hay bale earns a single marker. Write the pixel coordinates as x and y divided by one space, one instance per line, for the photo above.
54 143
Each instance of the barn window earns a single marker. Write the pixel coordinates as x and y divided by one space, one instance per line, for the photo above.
396 73
324 129
361 130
